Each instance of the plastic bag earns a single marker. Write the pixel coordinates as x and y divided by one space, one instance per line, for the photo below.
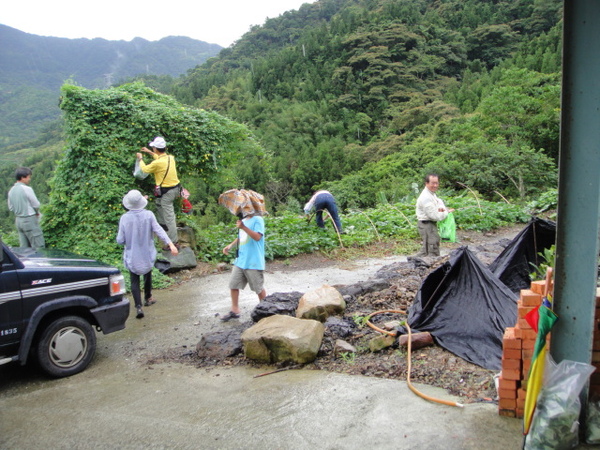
447 228
555 423
137 171
592 432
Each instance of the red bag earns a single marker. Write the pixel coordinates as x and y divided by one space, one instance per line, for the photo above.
186 206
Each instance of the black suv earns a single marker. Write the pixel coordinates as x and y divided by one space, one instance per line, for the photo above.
50 302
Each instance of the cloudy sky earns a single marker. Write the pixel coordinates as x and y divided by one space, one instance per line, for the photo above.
215 21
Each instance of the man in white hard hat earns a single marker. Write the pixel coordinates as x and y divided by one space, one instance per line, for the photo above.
167 184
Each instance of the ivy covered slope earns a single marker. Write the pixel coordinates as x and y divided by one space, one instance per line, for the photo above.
104 130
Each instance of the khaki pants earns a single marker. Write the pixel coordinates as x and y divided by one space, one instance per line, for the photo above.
431 239
165 212
30 233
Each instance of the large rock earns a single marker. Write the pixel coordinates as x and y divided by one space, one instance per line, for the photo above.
186 237
220 344
363 288
284 303
283 339
168 263
321 303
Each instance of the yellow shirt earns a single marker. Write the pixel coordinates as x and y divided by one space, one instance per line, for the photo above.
158 167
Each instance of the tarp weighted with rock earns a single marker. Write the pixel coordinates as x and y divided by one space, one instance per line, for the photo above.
466 309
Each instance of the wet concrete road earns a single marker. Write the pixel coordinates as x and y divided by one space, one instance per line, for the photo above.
121 402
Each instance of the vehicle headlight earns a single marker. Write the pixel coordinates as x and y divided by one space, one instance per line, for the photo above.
117 284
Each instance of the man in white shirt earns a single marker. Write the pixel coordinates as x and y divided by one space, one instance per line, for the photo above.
430 210
23 202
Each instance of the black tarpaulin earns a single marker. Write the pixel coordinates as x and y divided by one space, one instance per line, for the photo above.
514 265
466 308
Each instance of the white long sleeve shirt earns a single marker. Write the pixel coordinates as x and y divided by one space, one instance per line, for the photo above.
428 205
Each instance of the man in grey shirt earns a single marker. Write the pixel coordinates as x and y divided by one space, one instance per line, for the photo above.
23 202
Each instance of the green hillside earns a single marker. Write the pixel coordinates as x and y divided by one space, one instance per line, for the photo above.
364 96
33 68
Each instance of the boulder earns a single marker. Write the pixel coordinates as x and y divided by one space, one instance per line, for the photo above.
283 339
321 303
340 327
284 303
220 344
184 260
364 287
186 237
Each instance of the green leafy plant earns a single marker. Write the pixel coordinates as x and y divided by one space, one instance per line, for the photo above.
359 320
348 357
548 256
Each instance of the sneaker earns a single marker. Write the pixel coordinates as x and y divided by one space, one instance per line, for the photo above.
149 301
140 313
230 315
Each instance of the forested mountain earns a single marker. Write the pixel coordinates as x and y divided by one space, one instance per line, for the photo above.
364 96
33 68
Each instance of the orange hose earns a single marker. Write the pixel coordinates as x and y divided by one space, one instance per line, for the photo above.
409 355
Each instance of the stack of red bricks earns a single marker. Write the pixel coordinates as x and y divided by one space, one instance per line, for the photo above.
518 343
517 351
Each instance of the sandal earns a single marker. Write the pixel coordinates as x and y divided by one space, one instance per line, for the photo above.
149 301
230 315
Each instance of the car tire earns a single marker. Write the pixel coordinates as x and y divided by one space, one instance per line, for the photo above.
66 346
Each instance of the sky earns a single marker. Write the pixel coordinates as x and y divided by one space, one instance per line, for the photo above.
214 21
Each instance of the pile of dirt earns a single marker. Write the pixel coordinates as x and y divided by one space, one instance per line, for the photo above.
431 365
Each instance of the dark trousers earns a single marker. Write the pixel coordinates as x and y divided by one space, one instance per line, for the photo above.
326 201
135 287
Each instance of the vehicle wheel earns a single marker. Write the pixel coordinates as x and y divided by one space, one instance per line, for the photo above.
66 346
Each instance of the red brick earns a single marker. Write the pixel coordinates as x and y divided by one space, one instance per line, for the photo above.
511 364
507 393
507 403
524 310
520 413
527 354
538 286
507 384
523 324
509 340
527 344
512 353
529 334
507 413
512 374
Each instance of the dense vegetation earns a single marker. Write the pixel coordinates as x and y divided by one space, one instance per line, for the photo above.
105 128
362 97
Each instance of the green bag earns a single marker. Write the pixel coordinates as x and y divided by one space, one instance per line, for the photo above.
447 228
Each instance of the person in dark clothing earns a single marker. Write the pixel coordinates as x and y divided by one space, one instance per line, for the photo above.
320 201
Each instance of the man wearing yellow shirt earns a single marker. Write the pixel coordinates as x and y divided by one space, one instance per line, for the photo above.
165 175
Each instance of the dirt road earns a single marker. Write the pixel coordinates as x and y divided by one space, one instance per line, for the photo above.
120 401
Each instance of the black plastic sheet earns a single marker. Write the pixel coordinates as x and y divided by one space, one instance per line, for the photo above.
466 308
514 265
